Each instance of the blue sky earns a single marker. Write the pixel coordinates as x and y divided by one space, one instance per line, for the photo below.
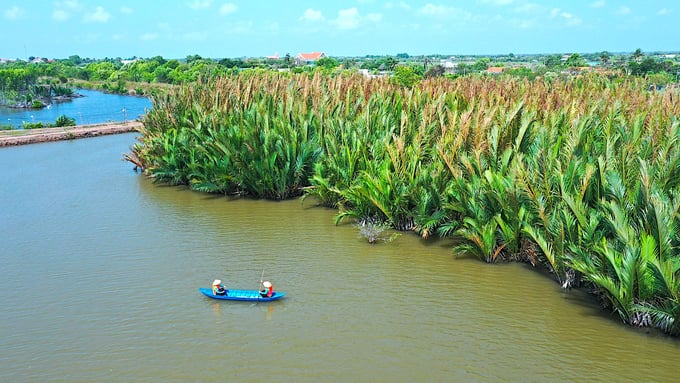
234 28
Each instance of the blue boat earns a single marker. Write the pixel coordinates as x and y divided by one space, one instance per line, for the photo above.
242 295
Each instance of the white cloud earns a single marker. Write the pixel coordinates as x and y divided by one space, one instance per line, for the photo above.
624 11
228 8
242 27
148 36
312 15
347 18
13 13
598 4
195 36
664 11
523 23
568 18
498 2
98 16
63 9
60 15
402 5
374 17
460 16
92 37
434 10
528 8
71 4
200 4
126 10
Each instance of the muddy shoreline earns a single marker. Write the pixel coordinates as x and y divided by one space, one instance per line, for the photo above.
36 136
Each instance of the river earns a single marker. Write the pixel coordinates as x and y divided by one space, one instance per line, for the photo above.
101 268
94 108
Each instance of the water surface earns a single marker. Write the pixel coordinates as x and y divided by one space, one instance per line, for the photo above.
94 108
100 270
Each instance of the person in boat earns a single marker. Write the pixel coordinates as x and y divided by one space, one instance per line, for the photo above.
268 290
218 287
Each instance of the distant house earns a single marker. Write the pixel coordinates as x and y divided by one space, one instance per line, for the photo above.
309 58
448 65
127 62
368 74
495 70
274 57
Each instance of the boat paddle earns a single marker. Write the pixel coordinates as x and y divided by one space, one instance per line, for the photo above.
261 280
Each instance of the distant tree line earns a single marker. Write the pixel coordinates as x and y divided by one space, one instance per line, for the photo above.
25 82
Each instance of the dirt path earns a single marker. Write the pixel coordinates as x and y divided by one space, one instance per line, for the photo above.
34 136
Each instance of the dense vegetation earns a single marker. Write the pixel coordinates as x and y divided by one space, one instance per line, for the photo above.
580 176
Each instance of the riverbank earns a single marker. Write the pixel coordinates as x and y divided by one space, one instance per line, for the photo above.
35 136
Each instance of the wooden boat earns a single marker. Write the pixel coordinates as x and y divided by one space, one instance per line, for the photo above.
241 295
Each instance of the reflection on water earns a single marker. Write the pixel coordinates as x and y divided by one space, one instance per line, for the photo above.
266 308
101 239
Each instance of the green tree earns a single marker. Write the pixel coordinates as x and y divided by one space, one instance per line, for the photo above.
159 59
64 120
605 57
389 63
463 68
552 61
644 67
575 61
192 58
406 75
100 70
327 63
75 59
230 63
435 71
172 64
481 64
637 55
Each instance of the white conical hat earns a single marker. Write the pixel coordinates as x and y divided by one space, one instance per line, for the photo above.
217 282
267 284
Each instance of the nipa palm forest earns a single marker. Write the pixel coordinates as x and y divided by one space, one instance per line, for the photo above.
579 176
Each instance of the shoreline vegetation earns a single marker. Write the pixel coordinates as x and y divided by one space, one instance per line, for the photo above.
41 102
578 176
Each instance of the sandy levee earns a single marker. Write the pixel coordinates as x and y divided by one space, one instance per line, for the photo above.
34 136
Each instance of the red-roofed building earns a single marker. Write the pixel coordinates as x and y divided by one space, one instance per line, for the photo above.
495 70
309 58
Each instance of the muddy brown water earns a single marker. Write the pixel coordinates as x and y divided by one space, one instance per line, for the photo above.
100 270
